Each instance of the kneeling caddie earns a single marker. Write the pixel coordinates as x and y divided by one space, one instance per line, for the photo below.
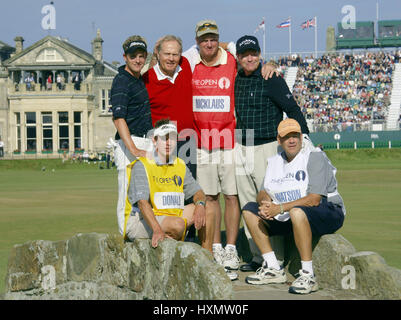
299 194
158 187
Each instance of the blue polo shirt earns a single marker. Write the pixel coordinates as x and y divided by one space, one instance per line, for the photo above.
130 101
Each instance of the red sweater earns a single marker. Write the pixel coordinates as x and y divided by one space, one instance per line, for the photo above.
171 100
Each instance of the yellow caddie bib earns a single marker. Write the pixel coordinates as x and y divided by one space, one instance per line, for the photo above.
166 186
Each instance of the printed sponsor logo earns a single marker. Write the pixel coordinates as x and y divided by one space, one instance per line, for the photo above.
300 175
224 83
177 180
246 42
205 83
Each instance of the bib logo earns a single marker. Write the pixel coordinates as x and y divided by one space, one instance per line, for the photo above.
300 175
224 83
177 180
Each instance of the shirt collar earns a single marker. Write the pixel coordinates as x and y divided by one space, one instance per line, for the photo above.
256 73
222 59
158 161
161 76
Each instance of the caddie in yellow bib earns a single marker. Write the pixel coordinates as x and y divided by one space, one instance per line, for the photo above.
157 191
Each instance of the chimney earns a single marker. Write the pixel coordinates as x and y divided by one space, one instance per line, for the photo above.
97 47
19 44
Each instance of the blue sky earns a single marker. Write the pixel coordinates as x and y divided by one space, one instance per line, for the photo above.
78 20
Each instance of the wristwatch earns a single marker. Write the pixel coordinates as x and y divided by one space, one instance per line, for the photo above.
202 203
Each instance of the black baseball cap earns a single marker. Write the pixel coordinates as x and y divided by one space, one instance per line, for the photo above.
247 43
134 43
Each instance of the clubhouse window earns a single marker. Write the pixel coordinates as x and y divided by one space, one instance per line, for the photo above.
77 130
30 131
106 101
18 133
63 130
47 133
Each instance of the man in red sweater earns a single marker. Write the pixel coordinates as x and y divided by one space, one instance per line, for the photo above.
169 85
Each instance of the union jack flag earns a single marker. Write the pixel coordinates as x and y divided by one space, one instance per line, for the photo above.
285 24
309 23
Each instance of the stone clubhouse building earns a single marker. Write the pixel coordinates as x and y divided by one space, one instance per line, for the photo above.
54 98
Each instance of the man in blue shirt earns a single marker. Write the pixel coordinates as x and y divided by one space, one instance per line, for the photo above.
131 115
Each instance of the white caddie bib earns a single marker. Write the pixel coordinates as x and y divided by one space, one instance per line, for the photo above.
286 182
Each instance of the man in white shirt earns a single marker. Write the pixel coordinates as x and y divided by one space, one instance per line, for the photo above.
299 194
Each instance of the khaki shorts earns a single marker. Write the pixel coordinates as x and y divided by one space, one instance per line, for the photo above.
216 171
251 163
137 228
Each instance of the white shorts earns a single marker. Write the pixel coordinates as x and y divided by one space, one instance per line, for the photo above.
137 228
122 158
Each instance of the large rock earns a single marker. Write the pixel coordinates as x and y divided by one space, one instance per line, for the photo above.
374 277
330 256
337 265
99 266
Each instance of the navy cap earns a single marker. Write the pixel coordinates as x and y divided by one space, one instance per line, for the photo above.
247 43
134 43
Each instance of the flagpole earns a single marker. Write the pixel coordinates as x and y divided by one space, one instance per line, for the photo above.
264 39
289 31
315 37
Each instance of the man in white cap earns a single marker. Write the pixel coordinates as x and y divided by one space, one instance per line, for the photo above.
157 191
299 195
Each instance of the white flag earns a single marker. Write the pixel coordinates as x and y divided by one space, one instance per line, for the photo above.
261 26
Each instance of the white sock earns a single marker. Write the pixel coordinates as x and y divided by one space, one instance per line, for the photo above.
271 260
307 266
216 246
231 246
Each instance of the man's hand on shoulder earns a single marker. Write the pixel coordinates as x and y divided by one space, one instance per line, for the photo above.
269 69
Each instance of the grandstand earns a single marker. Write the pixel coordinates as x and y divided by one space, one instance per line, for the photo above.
339 92
347 90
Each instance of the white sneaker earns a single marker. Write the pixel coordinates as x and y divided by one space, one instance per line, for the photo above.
219 255
266 275
231 260
231 274
305 283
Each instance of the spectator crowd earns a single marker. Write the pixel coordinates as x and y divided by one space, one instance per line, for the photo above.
339 91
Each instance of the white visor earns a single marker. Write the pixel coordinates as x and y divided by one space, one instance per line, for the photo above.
165 129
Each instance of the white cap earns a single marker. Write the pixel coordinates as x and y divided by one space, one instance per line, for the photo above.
165 129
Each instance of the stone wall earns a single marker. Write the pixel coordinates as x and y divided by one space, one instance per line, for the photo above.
99 266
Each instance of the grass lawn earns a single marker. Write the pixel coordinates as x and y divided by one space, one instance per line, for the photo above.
79 198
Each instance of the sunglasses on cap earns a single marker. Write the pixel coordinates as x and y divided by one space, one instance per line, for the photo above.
207 26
